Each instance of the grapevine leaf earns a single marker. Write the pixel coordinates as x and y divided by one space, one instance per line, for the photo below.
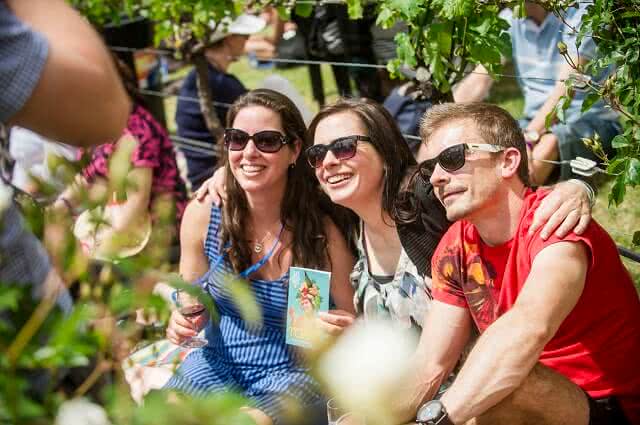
355 9
589 100
619 141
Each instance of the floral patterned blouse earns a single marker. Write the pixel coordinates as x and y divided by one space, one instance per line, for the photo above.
405 299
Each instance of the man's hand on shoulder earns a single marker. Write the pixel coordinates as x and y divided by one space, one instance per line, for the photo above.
566 208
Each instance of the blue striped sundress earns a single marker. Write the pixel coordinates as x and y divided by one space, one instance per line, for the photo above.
253 360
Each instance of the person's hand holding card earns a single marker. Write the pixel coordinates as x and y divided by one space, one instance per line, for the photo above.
334 322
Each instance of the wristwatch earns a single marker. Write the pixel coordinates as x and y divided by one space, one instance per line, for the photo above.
433 412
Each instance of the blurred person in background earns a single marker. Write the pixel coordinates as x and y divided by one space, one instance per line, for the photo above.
542 69
225 47
157 185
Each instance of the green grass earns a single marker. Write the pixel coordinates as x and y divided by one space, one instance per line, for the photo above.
506 93
620 222
298 76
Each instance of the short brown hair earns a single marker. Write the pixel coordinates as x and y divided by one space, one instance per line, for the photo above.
495 126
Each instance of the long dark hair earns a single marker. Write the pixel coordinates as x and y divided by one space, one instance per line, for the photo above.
129 80
386 138
300 211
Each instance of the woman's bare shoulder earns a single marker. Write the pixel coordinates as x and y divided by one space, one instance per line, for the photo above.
196 217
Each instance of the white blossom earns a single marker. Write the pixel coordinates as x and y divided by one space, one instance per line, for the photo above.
366 365
81 411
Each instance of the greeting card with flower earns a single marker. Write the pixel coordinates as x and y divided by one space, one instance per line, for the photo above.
308 294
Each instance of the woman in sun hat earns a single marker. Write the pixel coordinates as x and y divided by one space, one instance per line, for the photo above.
226 45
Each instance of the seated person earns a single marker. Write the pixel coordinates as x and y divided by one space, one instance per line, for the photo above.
264 46
226 47
154 172
542 70
559 318
271 220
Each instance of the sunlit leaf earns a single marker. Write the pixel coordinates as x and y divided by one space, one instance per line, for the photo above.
620 141
633 172
354 9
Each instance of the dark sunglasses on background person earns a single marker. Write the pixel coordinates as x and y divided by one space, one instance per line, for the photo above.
453 158
268 141
342 148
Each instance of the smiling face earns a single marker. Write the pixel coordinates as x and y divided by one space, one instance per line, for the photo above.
466 191
356 182
257 171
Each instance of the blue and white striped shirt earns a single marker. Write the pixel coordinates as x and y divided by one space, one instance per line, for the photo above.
537 59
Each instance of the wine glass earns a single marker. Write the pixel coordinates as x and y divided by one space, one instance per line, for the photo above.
191 308
337 415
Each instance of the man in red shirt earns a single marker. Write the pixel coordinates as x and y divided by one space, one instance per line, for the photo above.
559 319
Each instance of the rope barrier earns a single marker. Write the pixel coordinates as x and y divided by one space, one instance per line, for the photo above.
193 142
185 98
321 62
227 105
185 144
629 254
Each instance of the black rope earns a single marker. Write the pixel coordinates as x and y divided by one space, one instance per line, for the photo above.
627 253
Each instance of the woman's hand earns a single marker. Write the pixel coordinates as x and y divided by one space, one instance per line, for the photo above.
213 189
566 208
334 322
181 328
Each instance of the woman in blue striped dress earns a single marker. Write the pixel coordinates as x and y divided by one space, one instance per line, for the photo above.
270 221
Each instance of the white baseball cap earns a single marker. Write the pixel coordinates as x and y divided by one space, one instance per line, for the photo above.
244 24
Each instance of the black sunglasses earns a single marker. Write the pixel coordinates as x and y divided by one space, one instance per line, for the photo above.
268 141
453 158
342 148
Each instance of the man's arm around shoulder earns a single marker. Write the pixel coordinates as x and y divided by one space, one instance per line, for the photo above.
509 349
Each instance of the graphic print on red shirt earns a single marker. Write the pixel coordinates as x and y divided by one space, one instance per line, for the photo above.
598 344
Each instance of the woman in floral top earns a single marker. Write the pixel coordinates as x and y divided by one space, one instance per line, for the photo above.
153 170
153 151
361 162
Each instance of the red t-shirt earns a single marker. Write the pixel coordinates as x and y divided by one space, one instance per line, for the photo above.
598 344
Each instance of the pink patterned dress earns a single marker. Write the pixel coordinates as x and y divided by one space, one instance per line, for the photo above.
154 150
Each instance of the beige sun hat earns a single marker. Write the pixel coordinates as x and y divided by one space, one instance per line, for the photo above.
244 24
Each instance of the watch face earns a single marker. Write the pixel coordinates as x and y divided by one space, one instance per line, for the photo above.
430 412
